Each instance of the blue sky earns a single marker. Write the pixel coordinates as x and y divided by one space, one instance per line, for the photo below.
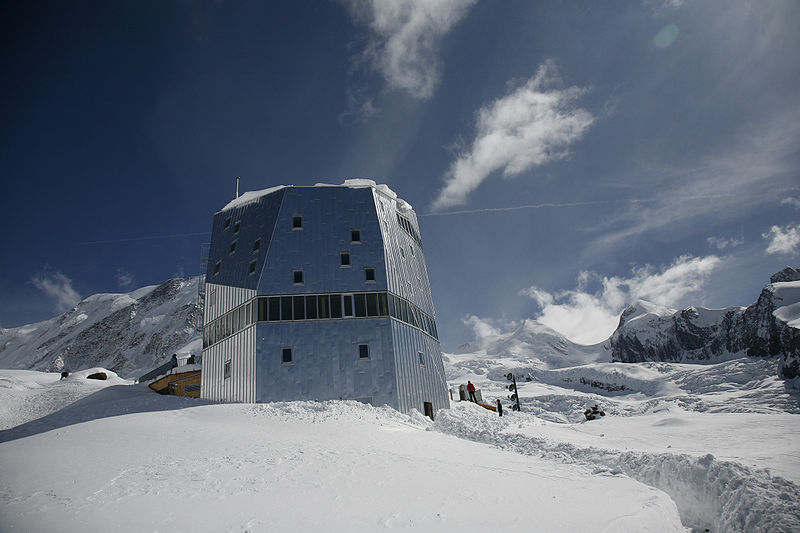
565 158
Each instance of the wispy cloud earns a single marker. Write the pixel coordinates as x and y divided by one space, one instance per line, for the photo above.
794 202
531 125
124 278
589 317
721 243
58 286
405 39
485 329
783 240
359 106
746 176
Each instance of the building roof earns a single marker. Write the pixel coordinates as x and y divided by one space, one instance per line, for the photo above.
357 183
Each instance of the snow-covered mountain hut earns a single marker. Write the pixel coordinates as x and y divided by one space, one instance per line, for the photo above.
320 293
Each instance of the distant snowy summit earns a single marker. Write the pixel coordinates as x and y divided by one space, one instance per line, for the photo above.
531 345
769 327
126 333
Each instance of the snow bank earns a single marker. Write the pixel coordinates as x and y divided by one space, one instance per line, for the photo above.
26 395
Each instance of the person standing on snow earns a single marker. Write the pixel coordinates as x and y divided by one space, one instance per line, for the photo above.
471 390
499 407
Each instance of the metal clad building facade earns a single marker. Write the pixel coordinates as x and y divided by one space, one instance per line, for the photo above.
320 293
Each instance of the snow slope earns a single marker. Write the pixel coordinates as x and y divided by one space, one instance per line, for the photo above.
126 459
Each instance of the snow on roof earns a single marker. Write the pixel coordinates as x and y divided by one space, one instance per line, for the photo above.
356 183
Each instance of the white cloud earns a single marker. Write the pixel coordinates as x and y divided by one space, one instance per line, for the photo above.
58 286
591 317
406 37
721 243
795 202
526 128
541 297
783 239
124 278
485 329
482 327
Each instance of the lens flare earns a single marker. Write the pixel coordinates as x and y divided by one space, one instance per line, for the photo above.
666 36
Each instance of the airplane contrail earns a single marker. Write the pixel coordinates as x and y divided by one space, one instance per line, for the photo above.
565 204
529 206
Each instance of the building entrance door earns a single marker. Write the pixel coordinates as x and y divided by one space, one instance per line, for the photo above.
428 409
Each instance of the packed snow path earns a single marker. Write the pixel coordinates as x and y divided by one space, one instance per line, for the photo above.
710 494
720 439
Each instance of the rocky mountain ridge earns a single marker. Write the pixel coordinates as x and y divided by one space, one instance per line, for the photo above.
127 333
768 327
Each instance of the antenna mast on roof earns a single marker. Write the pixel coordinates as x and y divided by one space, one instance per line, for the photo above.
237 186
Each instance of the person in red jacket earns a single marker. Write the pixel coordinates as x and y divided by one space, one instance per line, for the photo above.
471 391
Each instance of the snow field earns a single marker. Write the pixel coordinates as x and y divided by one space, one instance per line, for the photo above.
143 462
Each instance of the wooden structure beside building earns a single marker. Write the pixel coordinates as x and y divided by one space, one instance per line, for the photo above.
179 384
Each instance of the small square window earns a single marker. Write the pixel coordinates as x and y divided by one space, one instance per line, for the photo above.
421 358
363 351
297 222
227 223
355 235
252 268
236 227
297 276
286 355
257 245
369 274
217 267
344 259
233 247
227 369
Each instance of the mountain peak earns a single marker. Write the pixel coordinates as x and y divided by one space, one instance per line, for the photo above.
641 308
787 274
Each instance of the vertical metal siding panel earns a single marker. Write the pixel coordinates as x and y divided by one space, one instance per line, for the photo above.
240 349
226 299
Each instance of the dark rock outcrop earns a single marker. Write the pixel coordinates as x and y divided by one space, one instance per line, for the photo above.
647 332
785 275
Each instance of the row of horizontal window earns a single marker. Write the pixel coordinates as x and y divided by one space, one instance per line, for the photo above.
318 307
